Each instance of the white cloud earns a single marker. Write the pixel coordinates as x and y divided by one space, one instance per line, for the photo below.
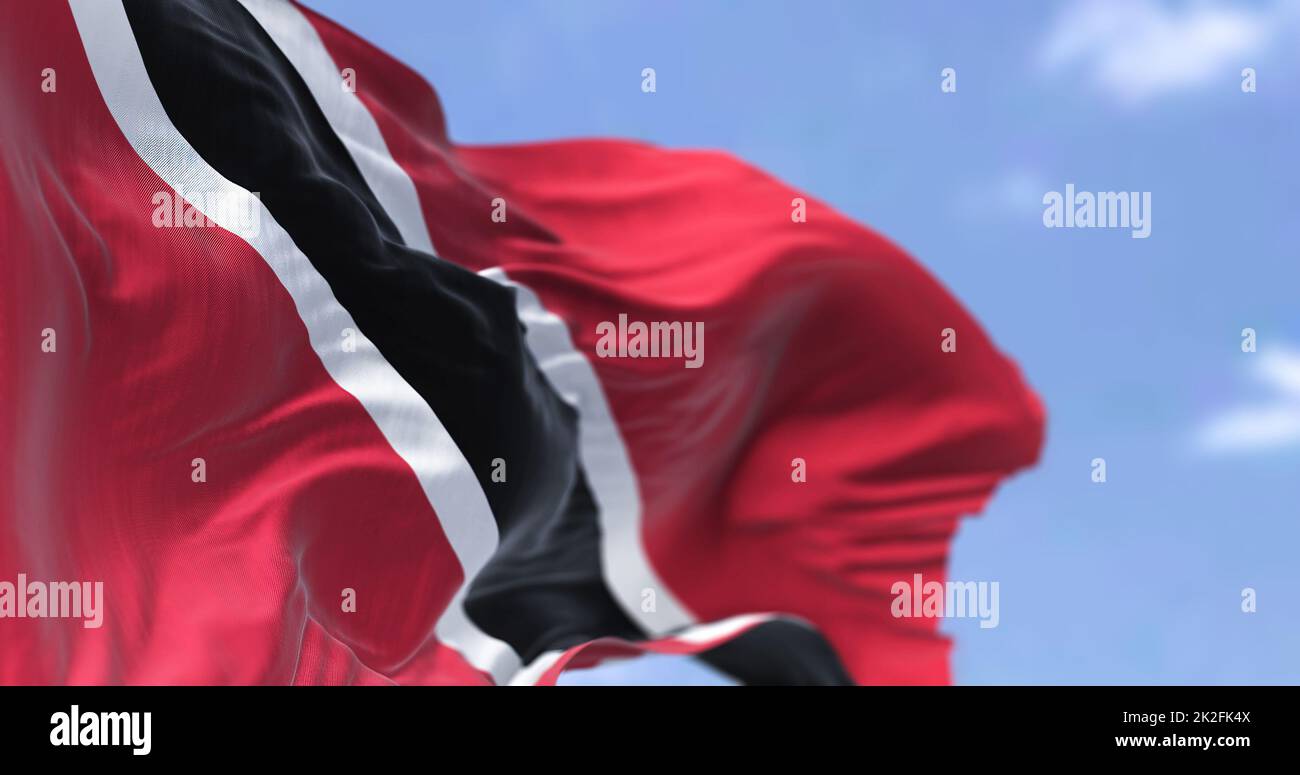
1138 49
1272 424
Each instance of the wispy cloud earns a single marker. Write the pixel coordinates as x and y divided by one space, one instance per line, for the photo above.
1138 49
1269 424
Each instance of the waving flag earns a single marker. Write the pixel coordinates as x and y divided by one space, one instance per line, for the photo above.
321 396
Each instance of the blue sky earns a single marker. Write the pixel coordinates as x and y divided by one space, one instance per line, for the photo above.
1133 344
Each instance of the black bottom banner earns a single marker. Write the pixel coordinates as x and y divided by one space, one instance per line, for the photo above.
246 724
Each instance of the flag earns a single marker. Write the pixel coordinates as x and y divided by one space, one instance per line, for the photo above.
319 395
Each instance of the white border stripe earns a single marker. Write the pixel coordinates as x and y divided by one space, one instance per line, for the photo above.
697 639
627 568
531 673
298 40
404 418
722 629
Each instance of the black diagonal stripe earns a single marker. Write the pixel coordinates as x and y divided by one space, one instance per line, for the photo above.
452 335
780 652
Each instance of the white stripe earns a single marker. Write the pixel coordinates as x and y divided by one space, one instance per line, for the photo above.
627 569
404 418
533 671
298 40
704 635
719 630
